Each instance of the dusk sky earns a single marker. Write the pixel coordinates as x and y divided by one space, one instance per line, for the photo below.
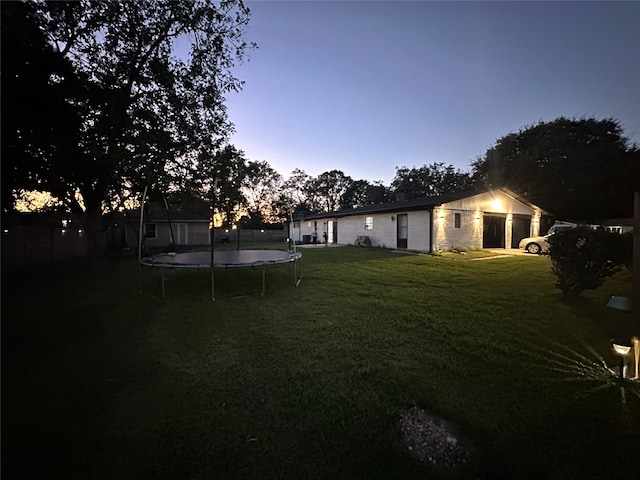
366 86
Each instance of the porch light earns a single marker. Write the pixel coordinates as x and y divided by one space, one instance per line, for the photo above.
5 231
496 204
477 215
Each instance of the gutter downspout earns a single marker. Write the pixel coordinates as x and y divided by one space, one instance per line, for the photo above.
431 230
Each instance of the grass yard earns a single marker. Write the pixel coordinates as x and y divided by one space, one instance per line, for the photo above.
99 382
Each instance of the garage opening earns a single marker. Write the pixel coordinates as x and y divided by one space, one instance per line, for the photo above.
493 231
521 229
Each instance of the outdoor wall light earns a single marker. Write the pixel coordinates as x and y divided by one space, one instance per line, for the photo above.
262 231
496 204
5 230
622 348
392 218
477 215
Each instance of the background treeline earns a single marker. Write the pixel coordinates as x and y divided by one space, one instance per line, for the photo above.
96 105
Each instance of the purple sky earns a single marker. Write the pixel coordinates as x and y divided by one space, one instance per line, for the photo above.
366 86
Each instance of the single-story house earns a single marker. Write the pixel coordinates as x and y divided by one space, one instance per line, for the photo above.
494 219
158 227
618 225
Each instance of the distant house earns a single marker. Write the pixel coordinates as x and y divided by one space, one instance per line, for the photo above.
493 219
166 228
618 225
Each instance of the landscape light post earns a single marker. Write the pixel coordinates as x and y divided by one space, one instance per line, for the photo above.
622 349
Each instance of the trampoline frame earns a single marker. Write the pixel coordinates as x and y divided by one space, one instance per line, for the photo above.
170 257
170 260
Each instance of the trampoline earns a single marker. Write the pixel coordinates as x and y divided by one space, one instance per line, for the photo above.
222 259
213 259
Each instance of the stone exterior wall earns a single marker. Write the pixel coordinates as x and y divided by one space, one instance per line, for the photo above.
446 236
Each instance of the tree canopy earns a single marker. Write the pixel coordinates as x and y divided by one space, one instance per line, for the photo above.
430 180
577 169
137 87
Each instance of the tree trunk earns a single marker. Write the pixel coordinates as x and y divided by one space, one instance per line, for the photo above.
93 224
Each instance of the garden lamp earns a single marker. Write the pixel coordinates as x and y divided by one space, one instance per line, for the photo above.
622 348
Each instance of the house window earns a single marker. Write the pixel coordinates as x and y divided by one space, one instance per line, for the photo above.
456 220
368 223
150 231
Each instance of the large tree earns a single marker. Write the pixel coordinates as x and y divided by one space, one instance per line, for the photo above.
362 192
325 191
577 169
429 180
40 122
149 80
261 187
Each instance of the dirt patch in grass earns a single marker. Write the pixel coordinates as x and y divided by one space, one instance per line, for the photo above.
433 440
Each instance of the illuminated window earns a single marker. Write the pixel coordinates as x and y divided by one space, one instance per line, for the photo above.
456 220
368 223
150 231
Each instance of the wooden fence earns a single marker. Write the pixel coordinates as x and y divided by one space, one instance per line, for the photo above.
29 246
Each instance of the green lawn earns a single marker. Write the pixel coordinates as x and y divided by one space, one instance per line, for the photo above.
310 382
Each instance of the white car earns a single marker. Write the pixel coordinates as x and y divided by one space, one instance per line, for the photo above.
535 245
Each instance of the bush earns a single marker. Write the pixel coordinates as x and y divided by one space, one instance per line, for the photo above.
583 258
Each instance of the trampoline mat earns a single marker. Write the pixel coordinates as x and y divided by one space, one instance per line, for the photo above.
221 258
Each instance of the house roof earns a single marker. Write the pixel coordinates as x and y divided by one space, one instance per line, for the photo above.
423 203
617 222
165 216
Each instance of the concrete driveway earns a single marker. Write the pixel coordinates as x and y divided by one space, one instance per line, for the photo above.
510 251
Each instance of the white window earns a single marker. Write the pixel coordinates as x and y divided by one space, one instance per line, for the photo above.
368 223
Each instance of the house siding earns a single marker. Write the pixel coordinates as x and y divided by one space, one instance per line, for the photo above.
446 236
472 211
433 226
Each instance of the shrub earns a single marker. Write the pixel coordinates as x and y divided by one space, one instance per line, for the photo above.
583 258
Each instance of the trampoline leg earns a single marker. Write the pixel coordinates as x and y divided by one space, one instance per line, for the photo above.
162 273
264 275
300 279
213 296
